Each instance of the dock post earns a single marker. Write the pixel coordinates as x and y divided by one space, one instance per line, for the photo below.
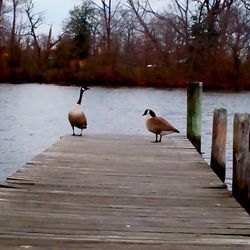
241 159
219 138
194 110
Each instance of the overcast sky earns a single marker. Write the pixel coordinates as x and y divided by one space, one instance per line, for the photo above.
55 11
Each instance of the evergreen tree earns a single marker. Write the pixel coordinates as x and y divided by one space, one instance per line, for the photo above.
77 30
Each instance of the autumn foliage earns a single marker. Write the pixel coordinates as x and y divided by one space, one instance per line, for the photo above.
129 44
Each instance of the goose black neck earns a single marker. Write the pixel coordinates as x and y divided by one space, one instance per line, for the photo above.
80 97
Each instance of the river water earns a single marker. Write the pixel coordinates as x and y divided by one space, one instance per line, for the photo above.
33 116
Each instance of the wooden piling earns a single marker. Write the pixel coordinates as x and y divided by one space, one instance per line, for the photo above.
218 151
194 109
241 159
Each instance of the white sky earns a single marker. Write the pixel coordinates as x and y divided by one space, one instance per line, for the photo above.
55 11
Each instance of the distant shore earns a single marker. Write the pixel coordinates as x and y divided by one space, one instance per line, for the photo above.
114 84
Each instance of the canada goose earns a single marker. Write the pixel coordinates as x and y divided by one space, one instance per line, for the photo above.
76 116
158 125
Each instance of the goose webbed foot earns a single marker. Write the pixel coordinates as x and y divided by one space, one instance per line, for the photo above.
160 138
73 131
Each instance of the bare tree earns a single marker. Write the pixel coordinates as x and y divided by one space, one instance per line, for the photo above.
14 46
13 30
105 20
35 20
43 49
239 35
107 14
129 32
15 5
1 20
1 7
140 11
246 3
49 43
150 21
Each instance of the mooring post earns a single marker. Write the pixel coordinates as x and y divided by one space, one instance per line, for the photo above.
219 138
194 110
241 159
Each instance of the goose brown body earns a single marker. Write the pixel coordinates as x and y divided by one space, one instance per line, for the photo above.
76 116
158 125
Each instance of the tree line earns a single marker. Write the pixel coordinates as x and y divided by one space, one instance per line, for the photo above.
128 42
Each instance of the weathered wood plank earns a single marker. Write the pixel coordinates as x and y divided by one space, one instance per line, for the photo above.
120 192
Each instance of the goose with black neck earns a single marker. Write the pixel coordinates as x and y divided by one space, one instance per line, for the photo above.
158 125
76 116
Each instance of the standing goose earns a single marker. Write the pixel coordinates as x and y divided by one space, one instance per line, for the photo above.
158 125
76 116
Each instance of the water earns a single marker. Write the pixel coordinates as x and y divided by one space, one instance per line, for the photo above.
34 116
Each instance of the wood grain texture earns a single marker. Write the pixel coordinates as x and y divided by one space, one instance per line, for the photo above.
194 113
219 141
120 192
241 159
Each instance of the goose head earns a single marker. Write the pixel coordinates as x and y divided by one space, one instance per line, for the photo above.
149 112
84 88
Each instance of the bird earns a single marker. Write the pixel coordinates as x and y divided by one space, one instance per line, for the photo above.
158 125
76 117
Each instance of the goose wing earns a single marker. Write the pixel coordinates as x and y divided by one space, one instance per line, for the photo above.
84 120
164 125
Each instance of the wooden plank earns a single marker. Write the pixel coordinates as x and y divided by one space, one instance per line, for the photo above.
120 192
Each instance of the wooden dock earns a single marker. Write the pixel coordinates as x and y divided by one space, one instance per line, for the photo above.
120 192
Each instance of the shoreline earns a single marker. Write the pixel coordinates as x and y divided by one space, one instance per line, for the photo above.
117 85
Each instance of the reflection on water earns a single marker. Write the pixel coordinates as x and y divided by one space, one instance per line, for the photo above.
34 116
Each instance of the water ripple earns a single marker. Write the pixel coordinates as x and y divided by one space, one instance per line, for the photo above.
33 116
